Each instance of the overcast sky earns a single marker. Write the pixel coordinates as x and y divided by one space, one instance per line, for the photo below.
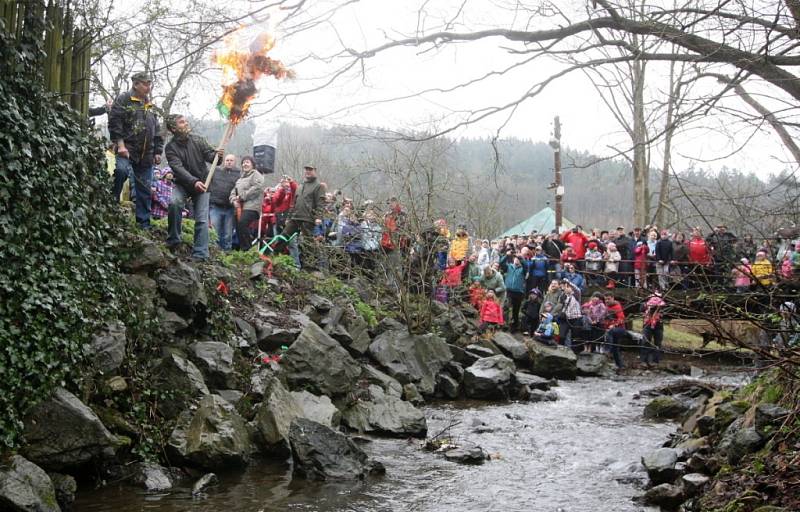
405 72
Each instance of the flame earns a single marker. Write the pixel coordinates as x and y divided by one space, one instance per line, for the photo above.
242 68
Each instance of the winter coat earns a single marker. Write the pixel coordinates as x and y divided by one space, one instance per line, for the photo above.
474 272
134 120
594 259
452 275
222 186
615 316
640 257
531 308
539 265
546 327
371 235
491 312
699 253
664 251
187 158
484 256
762 271
283 198
741 276
576 279
578 241
350 235
460 247
595 311
495 282
556 299
250 190
612 261
515 279
680 252
310 201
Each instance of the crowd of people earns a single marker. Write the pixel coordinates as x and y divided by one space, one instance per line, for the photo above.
538 281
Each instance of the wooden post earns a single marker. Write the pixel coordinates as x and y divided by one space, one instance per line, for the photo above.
225 138
556 144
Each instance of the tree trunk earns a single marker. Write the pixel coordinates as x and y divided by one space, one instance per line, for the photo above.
669 131
641 170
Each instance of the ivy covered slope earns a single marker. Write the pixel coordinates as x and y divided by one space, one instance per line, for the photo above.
57 271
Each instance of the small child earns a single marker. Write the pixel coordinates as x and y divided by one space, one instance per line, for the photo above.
530 309
612 257
477 294
741 276
545 333
594 259
491 313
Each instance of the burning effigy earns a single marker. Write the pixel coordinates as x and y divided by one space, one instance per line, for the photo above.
242 68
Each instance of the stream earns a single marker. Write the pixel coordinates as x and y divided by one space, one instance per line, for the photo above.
580 453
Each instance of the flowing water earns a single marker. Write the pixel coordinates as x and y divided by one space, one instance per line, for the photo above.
580 453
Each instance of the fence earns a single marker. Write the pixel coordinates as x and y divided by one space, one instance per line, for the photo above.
67 47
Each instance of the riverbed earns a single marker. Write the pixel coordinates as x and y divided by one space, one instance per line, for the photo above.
581 453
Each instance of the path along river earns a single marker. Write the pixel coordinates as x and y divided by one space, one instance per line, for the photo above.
578 454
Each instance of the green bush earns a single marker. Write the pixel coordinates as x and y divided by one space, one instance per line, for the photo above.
240 258
58 232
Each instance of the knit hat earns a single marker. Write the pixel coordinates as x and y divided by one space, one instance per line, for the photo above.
592 245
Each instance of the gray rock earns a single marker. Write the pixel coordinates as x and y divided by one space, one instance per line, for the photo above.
257 270
108 347
151 476
549 362
769 417
388 324
390 385
385 414
215 361
320 453
25 487
452 324
62 432
447 386
461 356
270 337
247 331
213 436
490 377
537 395
203 483
666 408
411 394
728 412
274 415
594 364
65 487
232 396
411 358
455 370
358 330
737 441
171 322
480 351
693 483
146 257
319 303
183 379
181 285
466 455
660 465
705 425
317 363
261 378
665 495
532 381
317 408
513 348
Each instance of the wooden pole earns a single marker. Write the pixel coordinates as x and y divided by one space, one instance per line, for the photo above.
225 138
557 166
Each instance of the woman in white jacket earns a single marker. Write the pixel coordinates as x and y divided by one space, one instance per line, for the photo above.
247 194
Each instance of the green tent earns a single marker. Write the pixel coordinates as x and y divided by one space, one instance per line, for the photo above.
542 222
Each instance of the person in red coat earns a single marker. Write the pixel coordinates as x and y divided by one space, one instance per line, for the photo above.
452 273
699 256
640 264
268 218
283 200
578 240
491 312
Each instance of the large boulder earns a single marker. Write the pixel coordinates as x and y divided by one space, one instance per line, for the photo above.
533 381
371 375
665 495
25 487
594 364
212 436
738 440
512 347
729 412
317 408
660 465
321 453
152 477
358 332
181 285
550 362
490 377
215 361
409 358
274 415
317 363
693 483
62 432
385 414
147 255
452 324
769 417
184 381
666 408
447 386
108 347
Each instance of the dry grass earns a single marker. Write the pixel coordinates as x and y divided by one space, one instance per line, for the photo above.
677 339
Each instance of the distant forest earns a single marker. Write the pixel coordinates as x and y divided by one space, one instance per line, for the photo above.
492 187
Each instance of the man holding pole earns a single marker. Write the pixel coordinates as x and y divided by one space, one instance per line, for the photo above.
187 155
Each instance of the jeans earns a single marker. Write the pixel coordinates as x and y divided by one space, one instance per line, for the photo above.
662 269
123 171
612 339
222 218
201 203
144 179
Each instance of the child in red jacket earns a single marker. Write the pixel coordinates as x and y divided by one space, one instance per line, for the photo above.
491 313
640 264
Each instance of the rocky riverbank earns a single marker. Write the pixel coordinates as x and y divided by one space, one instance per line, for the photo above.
223 364
735 449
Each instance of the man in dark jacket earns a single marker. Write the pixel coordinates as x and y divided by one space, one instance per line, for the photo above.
664 258
309 206
552 248
134 129
623 243
223 214
187 156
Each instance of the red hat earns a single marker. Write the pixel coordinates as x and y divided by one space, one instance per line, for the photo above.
592 245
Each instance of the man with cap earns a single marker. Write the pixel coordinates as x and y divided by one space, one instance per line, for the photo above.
308 207
187 155
134 129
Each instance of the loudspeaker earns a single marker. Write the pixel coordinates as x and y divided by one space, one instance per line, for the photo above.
264 155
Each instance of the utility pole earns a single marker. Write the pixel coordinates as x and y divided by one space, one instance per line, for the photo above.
555 143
